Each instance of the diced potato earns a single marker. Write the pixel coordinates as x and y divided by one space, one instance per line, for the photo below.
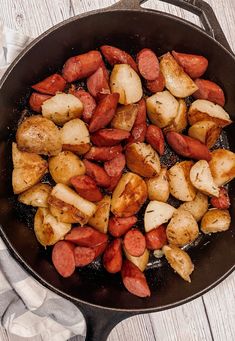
215 220
156 214
198 206
180 122
177 81
179 260
129 195
100 218
162 108
48 229
201 178
28 170
62 108
75 136
158 186
125 81
142 159
207 132
141 262
36 196
182 228
124 117
37 134
202 109
222 166
64 166
180 185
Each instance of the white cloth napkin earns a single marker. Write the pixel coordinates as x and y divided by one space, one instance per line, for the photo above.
28 309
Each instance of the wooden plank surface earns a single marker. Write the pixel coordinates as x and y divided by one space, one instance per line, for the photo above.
209 318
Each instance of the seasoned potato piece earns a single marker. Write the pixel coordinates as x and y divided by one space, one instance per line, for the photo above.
28 169
62 108
197 207
207 132
180 185
37 134
222 166
215 220
179 260
203 110
142 159
201 178
100 218
141 261
68 207
75 137
162 108
124 117
64 166
158 186
36 196
177 81
180 122
129 195
48 229
182 228
126 82
156 214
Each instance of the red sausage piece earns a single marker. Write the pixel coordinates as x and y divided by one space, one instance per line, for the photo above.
210 91
119 226
114 180
50 85
156 238
104 112
103 153
63 258
134 243
115 166
148 64
97 173
223 201
36 100
86 187
138 133
109 137
141 113
88 102
194 65
116 56
83 255
99 249
134 280
86 236
81 66
154 136
112 259
97 83
157 85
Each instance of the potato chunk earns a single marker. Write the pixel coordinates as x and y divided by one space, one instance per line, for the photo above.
100 218
222 166
141 262
156 214
36 196
207 132
124 117
180 122
215 220
158 186
198 206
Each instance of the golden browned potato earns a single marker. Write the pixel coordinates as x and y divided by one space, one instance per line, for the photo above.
124 117
177 81
36 196
129 195
75 137
37 134
64 166
162 108
158 186
201 178
197 207
28 169
180 184
62 108
215 220
202 109
207 132
222 166
182 228
100 218
48 229
125 81
180 122
142 159
179 260
156 214
141 262
68 207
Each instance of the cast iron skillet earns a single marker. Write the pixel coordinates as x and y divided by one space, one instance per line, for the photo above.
100 296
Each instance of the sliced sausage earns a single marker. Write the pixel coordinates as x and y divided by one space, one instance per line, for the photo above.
86 187
156 238
103 153
223 201
115 166
88 102
115 55
114 180
138 133
109 137
104 112
134 242
112 259
148 64
99 249
157 85
154 136
81 66
97 83
210 91
141 113
134 280
106 73
83 255
63 258
194 65
86 236
97 173
187 146
36 100
50 85
119 226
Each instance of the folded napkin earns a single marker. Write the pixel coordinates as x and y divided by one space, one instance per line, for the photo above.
28 309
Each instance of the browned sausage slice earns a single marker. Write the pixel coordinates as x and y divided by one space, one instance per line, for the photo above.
141 113
223 201
156 238
194 65
114 180
50 85
86 187
97 83
97 173
134 242
99 249
138 133
63 258
109 137
83 255
148 64
119 226
36 100
210 91
154 136
88 102
115 166
86 236
115 55
112 259
103 153
157 85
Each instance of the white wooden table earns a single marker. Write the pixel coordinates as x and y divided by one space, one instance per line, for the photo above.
209 318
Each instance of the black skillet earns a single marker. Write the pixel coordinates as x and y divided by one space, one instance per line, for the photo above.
101 296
